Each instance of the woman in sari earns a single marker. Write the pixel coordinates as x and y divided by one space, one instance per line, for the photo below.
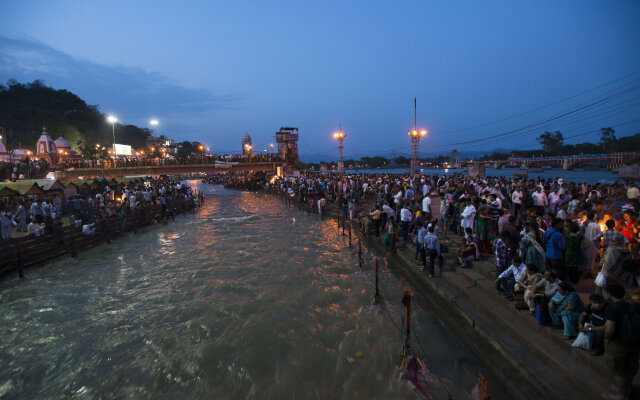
534 254
564 308
591 231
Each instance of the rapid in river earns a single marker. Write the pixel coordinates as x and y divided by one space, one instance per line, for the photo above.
245 299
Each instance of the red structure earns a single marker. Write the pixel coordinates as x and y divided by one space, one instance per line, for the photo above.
46 148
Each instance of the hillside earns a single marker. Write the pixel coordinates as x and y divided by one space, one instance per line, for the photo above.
25 108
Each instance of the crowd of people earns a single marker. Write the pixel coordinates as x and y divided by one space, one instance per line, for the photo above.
544 235
124 161
23 169
41 217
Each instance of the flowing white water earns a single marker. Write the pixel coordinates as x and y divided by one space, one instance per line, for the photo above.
247 299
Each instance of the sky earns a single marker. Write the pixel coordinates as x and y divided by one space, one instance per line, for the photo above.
486 75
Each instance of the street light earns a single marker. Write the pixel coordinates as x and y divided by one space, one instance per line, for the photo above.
201 147
153 123
340 136
415 141
113 120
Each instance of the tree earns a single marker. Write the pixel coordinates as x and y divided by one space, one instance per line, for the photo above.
607 139
551 142
86 149
25 108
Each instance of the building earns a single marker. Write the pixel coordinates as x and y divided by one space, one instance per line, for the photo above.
64 149
247 146
4 155
161 141
46 148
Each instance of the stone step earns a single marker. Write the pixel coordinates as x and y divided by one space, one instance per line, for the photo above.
507 323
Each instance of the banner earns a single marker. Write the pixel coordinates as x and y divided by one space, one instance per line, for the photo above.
122 149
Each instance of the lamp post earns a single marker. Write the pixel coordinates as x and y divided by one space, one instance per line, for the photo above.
340 136
415 141
154 123
113 120
201 147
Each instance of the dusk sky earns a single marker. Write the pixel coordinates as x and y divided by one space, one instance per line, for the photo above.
211 70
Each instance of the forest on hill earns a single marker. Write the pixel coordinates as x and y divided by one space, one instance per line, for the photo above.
26 108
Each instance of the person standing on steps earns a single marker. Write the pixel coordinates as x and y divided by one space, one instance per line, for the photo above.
432 249
405 218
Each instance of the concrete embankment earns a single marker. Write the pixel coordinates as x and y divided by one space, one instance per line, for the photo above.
529 360
24 252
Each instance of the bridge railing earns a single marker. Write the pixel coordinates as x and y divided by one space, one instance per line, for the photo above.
159 162
577 156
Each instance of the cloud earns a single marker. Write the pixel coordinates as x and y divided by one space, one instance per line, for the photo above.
135 94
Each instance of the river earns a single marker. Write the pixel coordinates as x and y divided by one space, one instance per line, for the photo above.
246 299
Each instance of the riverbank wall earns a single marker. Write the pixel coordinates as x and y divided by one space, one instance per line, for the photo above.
25 252
629 172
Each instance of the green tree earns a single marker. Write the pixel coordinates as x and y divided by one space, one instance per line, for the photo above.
551 142
607 139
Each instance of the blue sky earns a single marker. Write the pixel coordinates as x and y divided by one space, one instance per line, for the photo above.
211 70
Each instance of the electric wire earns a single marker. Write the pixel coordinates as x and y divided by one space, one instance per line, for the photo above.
544 106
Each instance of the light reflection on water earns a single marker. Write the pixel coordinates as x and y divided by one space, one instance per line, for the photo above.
246 299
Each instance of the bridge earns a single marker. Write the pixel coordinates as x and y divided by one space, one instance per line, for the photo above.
612 160
169 169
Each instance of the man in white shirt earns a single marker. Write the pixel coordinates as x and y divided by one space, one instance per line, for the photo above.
426 204
554 198
468 215
425 189
633 192
398 197
516 197
506 281
540 201
405 218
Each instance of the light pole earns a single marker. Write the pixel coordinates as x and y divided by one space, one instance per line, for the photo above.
202 152
415 141
113 120
154 123
340 136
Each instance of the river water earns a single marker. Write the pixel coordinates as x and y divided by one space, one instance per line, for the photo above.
246 299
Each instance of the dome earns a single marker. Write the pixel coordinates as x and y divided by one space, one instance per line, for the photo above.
62 143
246 137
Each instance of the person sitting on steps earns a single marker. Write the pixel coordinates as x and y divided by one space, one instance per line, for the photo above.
506 281
564 308
468 252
